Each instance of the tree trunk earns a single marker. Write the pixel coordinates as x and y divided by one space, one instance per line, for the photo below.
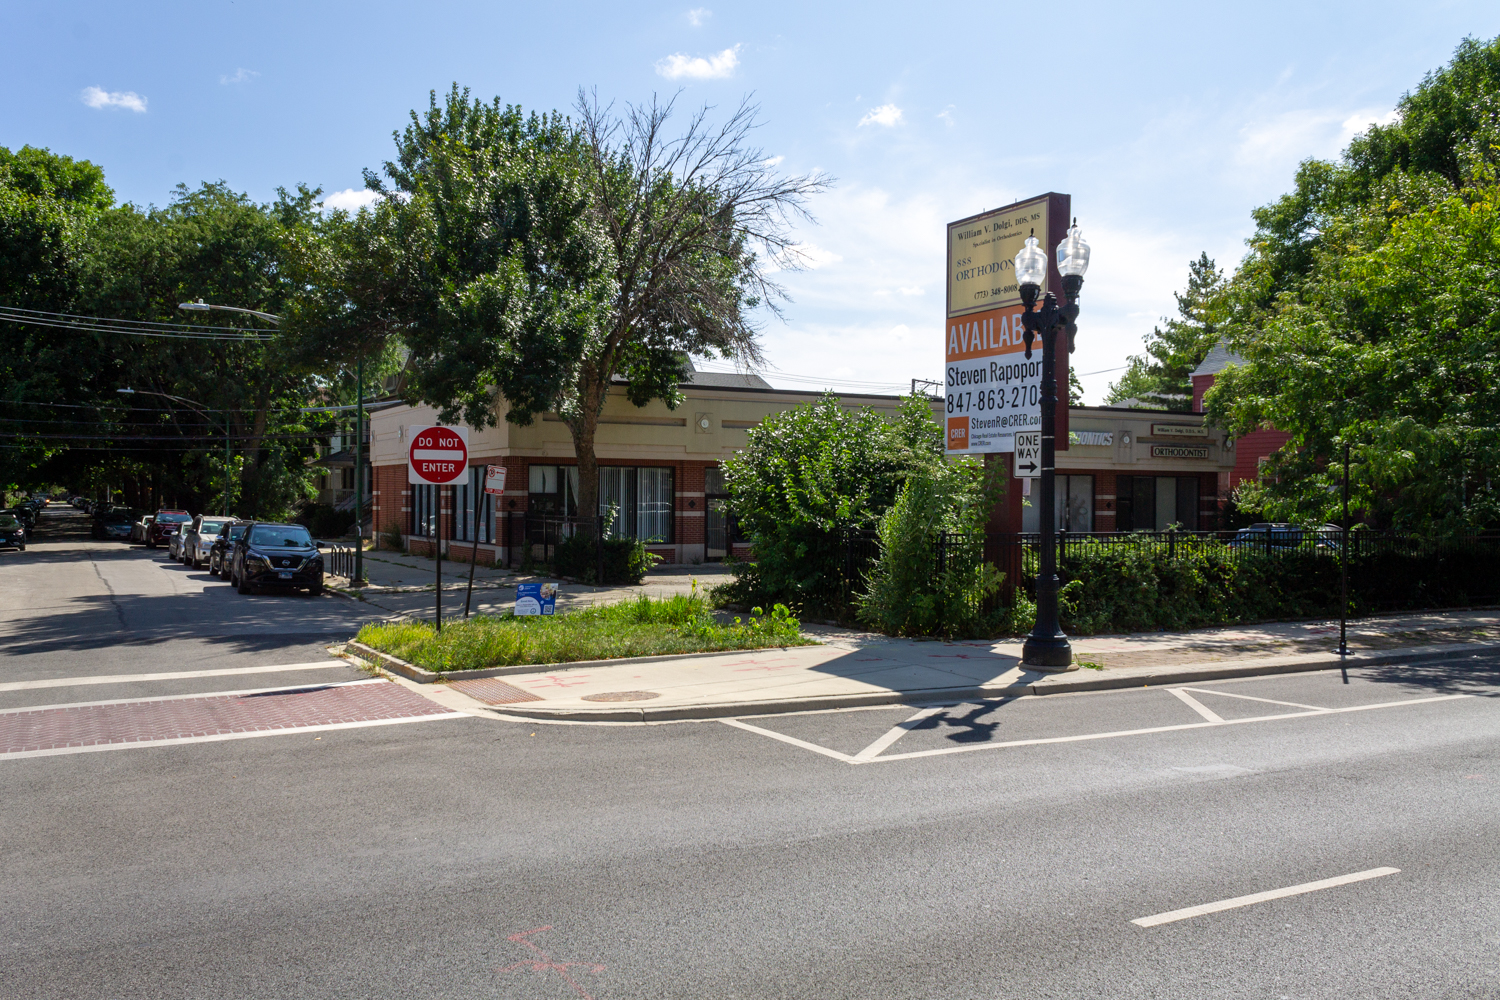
583 427
250 472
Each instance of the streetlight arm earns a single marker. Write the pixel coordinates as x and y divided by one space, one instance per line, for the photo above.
203 306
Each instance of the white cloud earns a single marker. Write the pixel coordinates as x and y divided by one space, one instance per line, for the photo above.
1362 120
715 67
774 161
947 115
350 199
241 75
887 115
911 291
98 97
698 15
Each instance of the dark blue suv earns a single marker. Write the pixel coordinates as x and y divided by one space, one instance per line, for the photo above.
276 556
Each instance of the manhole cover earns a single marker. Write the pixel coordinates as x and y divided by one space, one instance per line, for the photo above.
622 696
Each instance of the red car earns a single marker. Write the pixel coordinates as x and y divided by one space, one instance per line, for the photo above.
166 524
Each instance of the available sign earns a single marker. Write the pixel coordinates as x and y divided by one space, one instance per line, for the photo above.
437 455
1028 464
991 389
1179 451
494 480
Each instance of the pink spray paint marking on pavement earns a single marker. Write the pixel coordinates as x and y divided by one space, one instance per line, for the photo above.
543 962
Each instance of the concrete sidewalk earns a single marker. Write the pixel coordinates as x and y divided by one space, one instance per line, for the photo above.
851 669
402 585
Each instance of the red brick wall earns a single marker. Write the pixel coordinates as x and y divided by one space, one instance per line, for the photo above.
390 500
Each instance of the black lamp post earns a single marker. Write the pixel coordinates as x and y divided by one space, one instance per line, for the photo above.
1047 648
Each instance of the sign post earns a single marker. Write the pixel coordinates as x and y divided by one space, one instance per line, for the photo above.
494 486
437 456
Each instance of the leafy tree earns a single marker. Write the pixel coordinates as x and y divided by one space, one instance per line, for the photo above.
1162 376
551 262
1393 346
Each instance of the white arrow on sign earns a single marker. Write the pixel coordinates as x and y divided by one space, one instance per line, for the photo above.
1028 462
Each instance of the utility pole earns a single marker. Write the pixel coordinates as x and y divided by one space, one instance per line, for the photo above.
359 472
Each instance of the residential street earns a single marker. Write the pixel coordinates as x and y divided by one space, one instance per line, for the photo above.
345 836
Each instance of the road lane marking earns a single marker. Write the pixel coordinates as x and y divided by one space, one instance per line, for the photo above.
164 676
825 751
1259 897
153 699
1160 729
901 729
216 737
1196 705
736 723
1246 697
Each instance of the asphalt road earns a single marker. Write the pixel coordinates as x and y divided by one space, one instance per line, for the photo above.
468 857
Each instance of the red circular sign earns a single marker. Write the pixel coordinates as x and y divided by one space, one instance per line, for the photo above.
438 455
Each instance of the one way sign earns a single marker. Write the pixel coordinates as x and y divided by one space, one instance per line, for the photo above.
1028 463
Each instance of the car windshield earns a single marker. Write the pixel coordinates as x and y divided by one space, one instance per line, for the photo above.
285 536
8 521
173 518
236 530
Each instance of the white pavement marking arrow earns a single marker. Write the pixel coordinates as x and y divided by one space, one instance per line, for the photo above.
1260 897
879 746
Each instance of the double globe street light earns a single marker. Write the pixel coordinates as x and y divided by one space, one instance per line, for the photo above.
1047 648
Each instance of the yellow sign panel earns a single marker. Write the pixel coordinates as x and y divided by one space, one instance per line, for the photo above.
981 251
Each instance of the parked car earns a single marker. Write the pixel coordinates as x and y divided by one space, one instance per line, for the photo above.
276 555
118 522
223 547
12 532
1285 535
24 514
163 526
195 541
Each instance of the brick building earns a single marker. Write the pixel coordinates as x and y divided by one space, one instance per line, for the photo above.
658 467
1252 449
1123 469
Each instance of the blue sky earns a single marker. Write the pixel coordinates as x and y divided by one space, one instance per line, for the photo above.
1166 123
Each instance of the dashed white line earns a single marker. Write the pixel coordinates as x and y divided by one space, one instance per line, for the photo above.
1185 913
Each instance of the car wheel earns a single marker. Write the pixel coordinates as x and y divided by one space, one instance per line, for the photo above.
150 544
316 591
21 547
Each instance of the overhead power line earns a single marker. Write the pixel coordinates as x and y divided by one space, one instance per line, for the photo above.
131 327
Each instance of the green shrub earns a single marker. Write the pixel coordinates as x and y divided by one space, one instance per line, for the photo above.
324 522
904 593
643 626
808 473
626 560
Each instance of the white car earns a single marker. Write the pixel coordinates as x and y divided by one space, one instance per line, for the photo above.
197 540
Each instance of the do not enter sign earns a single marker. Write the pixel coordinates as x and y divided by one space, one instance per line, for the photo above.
437 455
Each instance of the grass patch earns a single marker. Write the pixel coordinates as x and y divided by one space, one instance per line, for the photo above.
642 627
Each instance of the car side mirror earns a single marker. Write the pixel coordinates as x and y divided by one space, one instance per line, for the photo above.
318 544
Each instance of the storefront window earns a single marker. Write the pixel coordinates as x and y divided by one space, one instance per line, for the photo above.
637 503
1074 502
424 510
468 503
1155 503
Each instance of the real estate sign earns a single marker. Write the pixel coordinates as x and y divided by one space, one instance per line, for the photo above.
991 389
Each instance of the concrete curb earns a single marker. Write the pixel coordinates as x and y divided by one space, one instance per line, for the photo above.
1035 684
424 676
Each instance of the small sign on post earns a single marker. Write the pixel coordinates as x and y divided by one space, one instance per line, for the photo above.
494 480
1028 464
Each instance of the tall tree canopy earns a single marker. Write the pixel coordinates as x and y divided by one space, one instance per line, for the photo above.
1368 312
1162 377
549 260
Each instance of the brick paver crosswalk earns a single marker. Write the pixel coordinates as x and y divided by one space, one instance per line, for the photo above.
147 721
